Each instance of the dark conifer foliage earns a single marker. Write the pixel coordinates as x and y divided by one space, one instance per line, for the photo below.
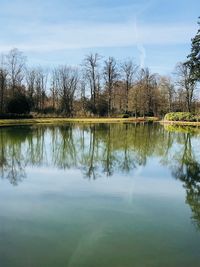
194 57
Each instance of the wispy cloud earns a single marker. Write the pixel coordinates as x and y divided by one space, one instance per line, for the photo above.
154 32
82 35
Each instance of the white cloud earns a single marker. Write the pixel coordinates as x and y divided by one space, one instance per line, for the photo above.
39 38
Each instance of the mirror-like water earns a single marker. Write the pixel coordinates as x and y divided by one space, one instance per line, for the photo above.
108 195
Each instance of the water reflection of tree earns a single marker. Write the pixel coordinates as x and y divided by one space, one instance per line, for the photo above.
108 156
187 169
94 149
12 161
65 150
101 150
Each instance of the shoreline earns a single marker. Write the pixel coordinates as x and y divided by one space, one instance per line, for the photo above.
183 123
15 122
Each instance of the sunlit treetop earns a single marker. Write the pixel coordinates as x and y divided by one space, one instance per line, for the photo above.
194 57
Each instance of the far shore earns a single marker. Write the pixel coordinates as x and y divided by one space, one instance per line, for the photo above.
14 122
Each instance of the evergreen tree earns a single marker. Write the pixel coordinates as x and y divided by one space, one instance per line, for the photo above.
194 57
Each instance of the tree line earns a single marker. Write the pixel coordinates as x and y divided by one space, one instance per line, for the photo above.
98 87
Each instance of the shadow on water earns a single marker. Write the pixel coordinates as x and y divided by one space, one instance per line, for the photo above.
103 149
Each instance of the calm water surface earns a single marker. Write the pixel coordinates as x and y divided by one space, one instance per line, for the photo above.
118 195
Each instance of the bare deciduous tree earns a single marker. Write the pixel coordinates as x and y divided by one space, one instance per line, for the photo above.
15 65
67 85
168 92
3 86
185 83
31 75
110 76
129 70
55 88
91 64
40 88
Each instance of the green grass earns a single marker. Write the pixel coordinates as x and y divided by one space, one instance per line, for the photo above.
6 122
189 123
182 117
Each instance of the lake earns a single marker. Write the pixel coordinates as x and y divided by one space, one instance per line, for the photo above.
99 195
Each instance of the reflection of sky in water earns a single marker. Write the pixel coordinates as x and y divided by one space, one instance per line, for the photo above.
153 179
136 217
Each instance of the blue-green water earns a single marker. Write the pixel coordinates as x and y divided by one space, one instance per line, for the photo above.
118 195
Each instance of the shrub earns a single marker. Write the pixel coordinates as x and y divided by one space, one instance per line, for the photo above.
90 107
125 116
19 104
15 116
102 107
181 116
48 110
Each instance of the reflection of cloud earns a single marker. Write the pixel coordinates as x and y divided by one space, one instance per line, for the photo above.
48 181
87 245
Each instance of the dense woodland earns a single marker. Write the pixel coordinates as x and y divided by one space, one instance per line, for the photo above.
98 87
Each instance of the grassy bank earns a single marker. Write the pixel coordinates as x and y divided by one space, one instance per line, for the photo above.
9 122
182 118
183 123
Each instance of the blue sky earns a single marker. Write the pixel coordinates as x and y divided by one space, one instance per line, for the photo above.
156 33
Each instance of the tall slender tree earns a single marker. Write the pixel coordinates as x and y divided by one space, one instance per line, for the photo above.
110 76
193 61
67 86
15 65
3 87
186 83
91 66
129 69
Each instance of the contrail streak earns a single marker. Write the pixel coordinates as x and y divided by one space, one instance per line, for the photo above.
140 47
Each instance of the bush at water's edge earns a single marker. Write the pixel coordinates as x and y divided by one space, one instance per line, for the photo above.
182 116
15 116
